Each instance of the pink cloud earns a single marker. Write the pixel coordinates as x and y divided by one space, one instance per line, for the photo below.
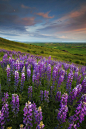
78 13
23 6
45 15
74 21
26 21
75 14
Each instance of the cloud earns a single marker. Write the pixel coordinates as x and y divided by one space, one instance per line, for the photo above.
27 21
73 21
28 9
45 15
25 7
9 34
44 36
63 37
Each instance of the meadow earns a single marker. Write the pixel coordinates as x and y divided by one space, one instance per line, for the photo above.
36 89
73 53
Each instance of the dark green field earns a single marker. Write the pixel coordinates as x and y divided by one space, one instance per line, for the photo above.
73 53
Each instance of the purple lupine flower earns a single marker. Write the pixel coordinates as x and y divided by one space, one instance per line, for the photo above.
15 104
28 73
84 74
54 77
30 93
23 70
58 96
78 79
83 98
65 76
10 60
2 65
34 106
84 86
5 60
17 64
2 122
61 78
8 74
75 92
27 119
12 65
33 109
4 99
75 75
77 69
62 72
48 75
16 80
69 82
81 111
38 82
5 111
33 78
21 65
26 65
72 125
22 81
62 114
46 98
64 99
38 115
41 69
66 66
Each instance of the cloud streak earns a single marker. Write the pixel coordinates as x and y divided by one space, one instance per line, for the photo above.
25 7
45 15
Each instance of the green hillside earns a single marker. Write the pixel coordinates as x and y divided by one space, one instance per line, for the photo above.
58 53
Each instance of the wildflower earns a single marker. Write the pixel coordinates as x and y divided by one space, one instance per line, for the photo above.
15 104
41 125
9 127
27 119
21 126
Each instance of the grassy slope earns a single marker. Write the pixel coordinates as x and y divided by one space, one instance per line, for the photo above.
44 51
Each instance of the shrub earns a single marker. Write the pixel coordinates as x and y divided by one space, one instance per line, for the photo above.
28 50
42 52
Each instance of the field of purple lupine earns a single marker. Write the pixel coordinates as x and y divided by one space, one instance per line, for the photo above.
40 93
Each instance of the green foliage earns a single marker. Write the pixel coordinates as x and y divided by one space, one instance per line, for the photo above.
28 50
42 52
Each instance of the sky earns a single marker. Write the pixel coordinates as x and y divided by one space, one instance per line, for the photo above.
43 20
